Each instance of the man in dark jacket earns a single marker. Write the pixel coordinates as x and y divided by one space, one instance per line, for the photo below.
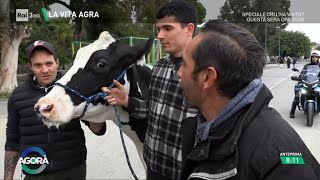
288 59
294 61
238 135
27 136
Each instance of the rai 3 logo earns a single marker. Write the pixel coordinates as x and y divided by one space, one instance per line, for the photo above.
23 15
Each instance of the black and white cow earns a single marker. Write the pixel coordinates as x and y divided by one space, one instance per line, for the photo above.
95 66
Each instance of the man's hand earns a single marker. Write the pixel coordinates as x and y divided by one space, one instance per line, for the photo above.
10 162
116 95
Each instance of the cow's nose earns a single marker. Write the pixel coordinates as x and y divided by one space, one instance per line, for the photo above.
37 109
43 109
48 108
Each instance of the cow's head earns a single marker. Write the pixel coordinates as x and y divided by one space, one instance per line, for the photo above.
95 66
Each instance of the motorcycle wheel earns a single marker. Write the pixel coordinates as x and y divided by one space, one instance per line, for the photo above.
310 110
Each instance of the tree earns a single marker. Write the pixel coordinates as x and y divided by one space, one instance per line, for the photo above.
146 10
14 34
111 14
294 44
315 46
58 31
234 11
11 39
77 6
4 15
128 17
74 6
201 11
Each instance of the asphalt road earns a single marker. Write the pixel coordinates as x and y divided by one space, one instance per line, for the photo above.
106 158
281 85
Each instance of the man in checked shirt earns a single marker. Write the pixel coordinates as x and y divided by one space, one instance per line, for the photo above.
165 108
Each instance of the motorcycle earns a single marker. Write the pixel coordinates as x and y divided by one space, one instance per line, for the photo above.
309 91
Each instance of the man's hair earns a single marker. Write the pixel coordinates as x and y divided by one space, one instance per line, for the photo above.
41 49
233 51
183 12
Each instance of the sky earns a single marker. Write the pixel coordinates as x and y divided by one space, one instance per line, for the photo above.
308 8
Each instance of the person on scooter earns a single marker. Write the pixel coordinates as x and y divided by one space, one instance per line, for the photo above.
314 60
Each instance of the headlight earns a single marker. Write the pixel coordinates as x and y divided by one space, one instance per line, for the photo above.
313 85
317 89
303 91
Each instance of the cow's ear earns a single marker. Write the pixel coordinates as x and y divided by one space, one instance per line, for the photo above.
143 48
136 52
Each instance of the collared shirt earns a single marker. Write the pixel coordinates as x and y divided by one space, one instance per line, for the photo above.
165 110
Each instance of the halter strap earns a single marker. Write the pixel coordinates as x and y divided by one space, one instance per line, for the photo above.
93 97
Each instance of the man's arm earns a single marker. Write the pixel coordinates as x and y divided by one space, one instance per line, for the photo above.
10 162
12 141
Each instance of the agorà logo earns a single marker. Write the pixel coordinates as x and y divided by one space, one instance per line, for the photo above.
25 161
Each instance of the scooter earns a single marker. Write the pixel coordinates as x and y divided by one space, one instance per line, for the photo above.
309 91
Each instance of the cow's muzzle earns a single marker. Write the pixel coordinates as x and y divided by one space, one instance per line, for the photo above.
43 110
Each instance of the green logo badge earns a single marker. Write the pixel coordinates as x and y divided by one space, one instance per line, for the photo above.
44 13
291 158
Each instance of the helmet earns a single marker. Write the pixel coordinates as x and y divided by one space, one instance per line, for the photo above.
315 53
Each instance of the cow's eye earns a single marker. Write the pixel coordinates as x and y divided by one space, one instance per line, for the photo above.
101 64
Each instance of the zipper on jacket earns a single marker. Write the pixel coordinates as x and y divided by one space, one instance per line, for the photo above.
46 89
51 164
49 139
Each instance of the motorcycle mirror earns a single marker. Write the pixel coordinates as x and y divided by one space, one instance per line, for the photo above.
295 69
295 78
